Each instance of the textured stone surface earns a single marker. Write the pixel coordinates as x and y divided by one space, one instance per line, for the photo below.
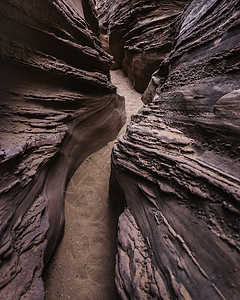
177 166
140 34
57 106
142 280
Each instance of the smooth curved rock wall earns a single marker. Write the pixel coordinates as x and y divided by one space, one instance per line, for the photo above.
140 34
57 106
177 167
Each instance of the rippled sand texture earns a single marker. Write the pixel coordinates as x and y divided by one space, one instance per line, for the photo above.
83 265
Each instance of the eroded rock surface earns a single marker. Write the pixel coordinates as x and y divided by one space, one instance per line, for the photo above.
57 106
177 167
139 33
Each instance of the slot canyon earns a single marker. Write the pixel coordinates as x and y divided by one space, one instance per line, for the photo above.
119 149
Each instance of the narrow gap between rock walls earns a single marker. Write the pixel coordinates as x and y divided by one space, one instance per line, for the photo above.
83 265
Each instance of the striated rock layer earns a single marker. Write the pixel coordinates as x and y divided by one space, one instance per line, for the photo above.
139 33
177 167
57 106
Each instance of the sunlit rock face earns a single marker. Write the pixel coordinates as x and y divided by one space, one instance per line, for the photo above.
140 34
177 167
57 106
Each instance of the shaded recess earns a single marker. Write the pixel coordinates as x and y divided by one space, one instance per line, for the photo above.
139 34
57 106
175 173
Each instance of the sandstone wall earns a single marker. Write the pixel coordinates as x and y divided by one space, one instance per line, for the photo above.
177 167
140 34
57 106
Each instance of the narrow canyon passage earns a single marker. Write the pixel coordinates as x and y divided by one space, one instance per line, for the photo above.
83 265
174 165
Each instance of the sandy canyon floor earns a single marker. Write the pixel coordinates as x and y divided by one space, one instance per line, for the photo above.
82 267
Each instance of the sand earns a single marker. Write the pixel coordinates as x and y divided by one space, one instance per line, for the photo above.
82 267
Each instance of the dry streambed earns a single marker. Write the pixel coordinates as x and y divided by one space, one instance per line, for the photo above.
83 265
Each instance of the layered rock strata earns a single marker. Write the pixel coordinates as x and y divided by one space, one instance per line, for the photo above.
177 167
139 33
57 106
